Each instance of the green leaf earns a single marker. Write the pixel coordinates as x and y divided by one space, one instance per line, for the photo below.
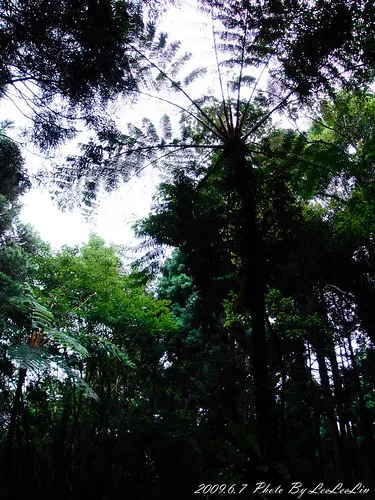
30 358
68 342
99 345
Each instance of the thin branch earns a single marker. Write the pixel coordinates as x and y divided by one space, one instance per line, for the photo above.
162 99
341 291
57 113
326 143
81 304
19 109
219 74
241 70
174 146
38 115
244 114
26 101
334 130
22 144
159 147
16 80
149 164
334 197
265 117
281 157
30 77
211 122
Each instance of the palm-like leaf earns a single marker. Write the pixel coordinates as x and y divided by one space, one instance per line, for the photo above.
33 359
36 359
98 345
31 356
68 342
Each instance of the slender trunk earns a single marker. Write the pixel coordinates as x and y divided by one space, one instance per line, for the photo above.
338 395
252 294
74 430
319 444
367 426
154 388
353 451
365 419
328 400
316 416
60 446
15 412
282 409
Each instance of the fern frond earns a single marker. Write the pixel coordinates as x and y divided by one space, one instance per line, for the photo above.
96 344
33 359
40 317
151 135
193 75
80 383
68 342
178 65
85 387
166 125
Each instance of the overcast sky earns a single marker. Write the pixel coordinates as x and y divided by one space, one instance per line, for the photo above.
117 211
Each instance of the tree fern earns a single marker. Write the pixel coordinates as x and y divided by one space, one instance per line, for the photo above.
38 359
37 353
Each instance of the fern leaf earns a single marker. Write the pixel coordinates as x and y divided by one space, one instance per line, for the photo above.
150 131
167 127
191 77
30 358
99 345
68 342
81 384
41 316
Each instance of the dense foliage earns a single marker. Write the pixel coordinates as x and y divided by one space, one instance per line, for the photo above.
245 357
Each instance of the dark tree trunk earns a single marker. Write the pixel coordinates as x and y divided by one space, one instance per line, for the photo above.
338 394
15 412
329 404
367 425
252 293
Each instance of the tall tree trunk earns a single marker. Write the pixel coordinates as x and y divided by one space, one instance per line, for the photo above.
347 458
316 416
338 393
365 419
15 412
252 293
367 425
329 404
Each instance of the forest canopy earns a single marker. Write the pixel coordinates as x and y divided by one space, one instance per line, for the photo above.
244 361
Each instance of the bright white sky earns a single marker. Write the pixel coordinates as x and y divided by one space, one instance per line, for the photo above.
118 211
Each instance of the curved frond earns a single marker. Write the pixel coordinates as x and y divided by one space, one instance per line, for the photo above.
97 345
80 383
33 359
68 342
40 317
